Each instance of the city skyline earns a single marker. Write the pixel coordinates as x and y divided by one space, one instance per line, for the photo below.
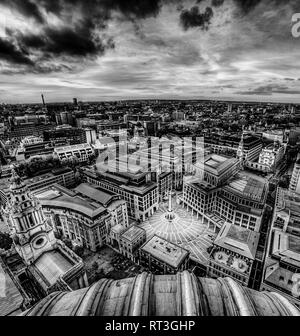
99 50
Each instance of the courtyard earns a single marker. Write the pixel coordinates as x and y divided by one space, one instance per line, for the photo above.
184 229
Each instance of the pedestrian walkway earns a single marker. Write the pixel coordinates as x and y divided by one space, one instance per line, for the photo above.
184 230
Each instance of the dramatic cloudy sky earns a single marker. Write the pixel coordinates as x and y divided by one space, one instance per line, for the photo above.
124 49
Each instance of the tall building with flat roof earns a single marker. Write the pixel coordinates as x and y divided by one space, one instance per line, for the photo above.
215 169
222 144
136 188
220 193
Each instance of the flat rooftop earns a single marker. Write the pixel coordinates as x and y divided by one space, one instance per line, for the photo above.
72 147
133 233
52 265
289 200
98 195
165 251
249 185
216 164
287 247
215 160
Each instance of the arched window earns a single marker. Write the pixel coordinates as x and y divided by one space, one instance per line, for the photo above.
20 224
31 221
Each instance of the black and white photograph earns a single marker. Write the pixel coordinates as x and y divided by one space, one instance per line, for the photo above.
149 161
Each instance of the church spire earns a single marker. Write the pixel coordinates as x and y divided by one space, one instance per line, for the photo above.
15 179
29 228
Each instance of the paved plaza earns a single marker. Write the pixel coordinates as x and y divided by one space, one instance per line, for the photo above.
184 230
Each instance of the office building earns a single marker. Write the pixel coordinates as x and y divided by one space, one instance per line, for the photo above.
130 242
87 215
65 135
135 187
233 253
295 179
63 176
272 156
82 152
282 265
222 194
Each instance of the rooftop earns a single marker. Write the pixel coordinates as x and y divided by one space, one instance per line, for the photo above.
289 200
133 232
165 251
56 196
97 194
249 185
216 164
52 265
72 147
287 247
11 298
280 277
238 240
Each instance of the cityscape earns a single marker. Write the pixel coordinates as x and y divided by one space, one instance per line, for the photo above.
126 191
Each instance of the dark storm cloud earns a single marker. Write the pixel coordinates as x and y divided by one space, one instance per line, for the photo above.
76 41
10 53
80 37
194 18
27 8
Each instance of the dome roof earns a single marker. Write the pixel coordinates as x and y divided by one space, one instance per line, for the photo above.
182 294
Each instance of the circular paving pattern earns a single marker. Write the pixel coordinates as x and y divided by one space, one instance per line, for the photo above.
184 230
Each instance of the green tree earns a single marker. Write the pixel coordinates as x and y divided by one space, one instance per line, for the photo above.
79 250
68 243
5 241
95 266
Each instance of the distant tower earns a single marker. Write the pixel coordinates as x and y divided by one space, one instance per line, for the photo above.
75 102
31 233
240 152
43 100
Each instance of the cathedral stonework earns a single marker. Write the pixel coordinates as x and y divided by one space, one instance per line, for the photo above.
48 261
31 233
